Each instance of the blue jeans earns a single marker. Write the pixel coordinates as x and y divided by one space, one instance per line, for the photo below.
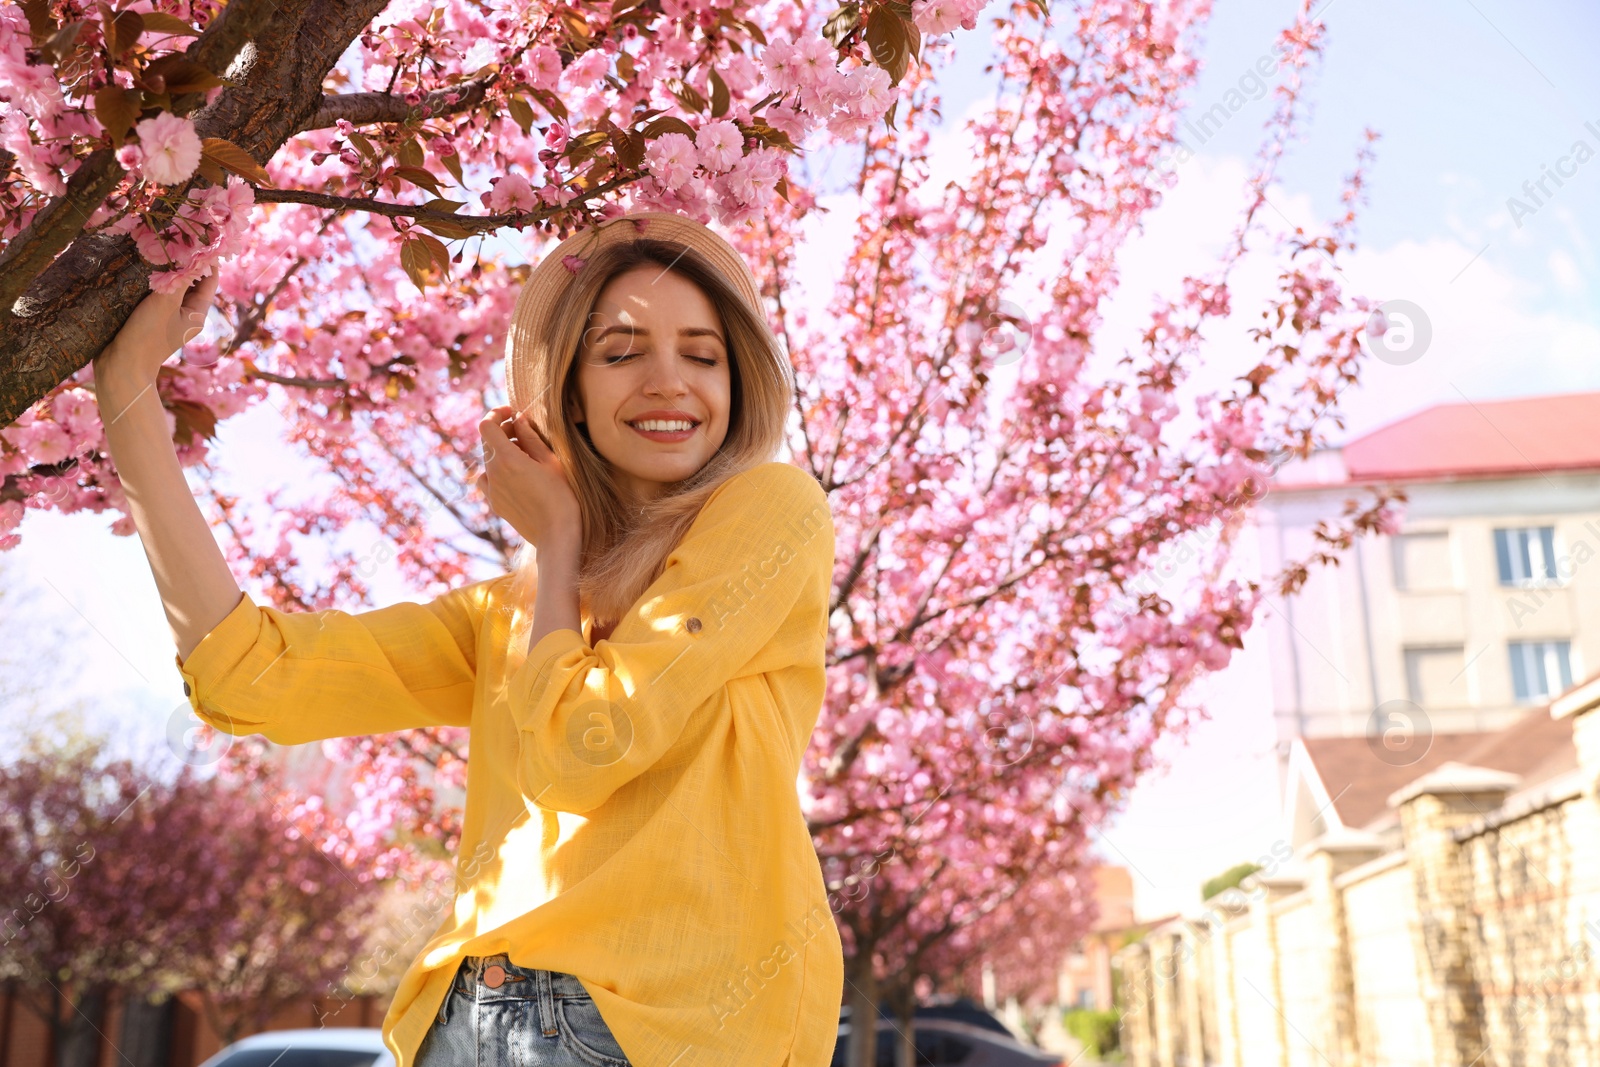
498 1014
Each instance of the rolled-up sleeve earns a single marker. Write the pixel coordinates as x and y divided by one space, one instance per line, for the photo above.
295 677
741 588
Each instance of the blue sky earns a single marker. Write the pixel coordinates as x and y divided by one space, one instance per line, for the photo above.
1473 98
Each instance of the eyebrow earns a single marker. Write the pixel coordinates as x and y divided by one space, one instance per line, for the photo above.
639 331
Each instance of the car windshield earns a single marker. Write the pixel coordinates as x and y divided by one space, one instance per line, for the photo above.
301 1056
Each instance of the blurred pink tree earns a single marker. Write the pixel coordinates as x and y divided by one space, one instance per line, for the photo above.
117 877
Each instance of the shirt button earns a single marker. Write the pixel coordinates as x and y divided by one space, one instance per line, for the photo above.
495 976
185 688
693 624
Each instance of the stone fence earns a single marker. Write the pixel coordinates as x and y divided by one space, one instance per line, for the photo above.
1468 938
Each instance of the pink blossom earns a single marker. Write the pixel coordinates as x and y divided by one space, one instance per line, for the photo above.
937 16
38 163
780 60
872 90
44 442
544 67
815 57
720 145
171 149
512 193
792 122
671 158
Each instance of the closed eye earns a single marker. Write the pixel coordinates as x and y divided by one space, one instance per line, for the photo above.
702 360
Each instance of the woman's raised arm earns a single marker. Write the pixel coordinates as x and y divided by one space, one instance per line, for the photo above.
197 589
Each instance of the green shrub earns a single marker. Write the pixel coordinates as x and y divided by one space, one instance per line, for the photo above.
1228 879
1099 1032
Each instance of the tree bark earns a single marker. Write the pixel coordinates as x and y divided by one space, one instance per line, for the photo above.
80 1038
73 309
863 1048
146 1037
905 1006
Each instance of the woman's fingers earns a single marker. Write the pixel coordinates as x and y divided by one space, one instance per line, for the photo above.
197 305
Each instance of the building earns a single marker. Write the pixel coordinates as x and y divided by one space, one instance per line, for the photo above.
1085 977
1485 604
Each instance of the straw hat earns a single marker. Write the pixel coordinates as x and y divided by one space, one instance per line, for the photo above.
549 280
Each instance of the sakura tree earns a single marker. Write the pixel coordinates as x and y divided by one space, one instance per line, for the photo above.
116 877
1001 668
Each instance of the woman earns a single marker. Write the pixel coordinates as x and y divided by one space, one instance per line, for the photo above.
642 887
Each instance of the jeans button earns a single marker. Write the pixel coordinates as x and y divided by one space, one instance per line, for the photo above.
494 976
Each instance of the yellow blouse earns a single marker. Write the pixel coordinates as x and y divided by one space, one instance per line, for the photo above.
632 815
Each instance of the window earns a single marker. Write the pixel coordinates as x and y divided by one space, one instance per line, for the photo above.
1526 554
1540 669
1422 561
1436 677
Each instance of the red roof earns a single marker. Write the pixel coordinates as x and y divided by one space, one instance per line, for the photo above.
1535 747
1527 436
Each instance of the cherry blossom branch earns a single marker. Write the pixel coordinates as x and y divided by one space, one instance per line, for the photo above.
474 224
367 109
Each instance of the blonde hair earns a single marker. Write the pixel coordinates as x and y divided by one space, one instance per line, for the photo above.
625 549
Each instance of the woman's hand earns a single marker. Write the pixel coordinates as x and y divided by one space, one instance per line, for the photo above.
525 482
158 327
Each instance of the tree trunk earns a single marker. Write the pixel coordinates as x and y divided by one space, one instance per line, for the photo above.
146 1038
71 310
863 1051
905 1003
80 1038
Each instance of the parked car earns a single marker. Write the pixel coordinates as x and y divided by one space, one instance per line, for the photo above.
945 1006
948 1042
331 1046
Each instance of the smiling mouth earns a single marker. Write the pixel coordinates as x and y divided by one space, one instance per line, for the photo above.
665 425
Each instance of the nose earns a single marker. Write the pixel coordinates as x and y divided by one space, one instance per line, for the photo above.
665 379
